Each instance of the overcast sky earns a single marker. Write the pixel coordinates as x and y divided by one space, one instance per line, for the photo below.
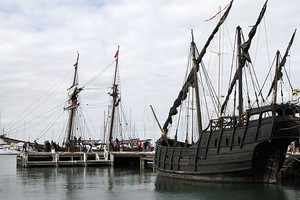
40 39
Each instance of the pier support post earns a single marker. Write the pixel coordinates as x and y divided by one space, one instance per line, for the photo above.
24 159
142 162
57 159
111 159
105 154
85 158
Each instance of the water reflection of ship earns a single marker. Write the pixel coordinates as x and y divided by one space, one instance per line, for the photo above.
208 190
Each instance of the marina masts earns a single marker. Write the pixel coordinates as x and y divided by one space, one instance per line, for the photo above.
73 92
114 95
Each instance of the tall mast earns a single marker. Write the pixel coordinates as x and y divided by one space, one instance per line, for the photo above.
240 73
278 70
192 115
274 97
73 93
104 127
114 95
219 70
195 66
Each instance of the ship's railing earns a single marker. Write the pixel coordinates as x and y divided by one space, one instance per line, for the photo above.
225 122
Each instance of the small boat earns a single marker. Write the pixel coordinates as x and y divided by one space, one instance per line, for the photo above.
35 145
244 145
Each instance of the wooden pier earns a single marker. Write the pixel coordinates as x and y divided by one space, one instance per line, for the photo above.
143 159
39 159
48 159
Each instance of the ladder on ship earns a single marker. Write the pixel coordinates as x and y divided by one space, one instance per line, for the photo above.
272 168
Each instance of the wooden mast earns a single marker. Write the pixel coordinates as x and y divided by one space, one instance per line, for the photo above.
240 73
219 70
196 66
155 117
274 97
74 104
114 95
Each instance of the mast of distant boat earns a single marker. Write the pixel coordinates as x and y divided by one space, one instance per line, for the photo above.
114 95
73 92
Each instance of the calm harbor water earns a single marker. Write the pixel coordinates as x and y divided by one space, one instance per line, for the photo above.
109 183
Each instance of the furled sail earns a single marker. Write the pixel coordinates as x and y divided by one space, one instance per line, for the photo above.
278 74
245 54
71 91
190 80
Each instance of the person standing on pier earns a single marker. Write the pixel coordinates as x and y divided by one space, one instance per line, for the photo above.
139 144
145 146
117 145
25 146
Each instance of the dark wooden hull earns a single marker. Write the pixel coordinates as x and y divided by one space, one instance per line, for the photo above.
250 152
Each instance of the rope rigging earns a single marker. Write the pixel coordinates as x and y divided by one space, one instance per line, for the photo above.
50 125
98 74
36 103
48 112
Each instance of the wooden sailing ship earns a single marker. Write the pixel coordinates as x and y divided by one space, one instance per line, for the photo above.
71 143
74 137
73 140
113 142
249 146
